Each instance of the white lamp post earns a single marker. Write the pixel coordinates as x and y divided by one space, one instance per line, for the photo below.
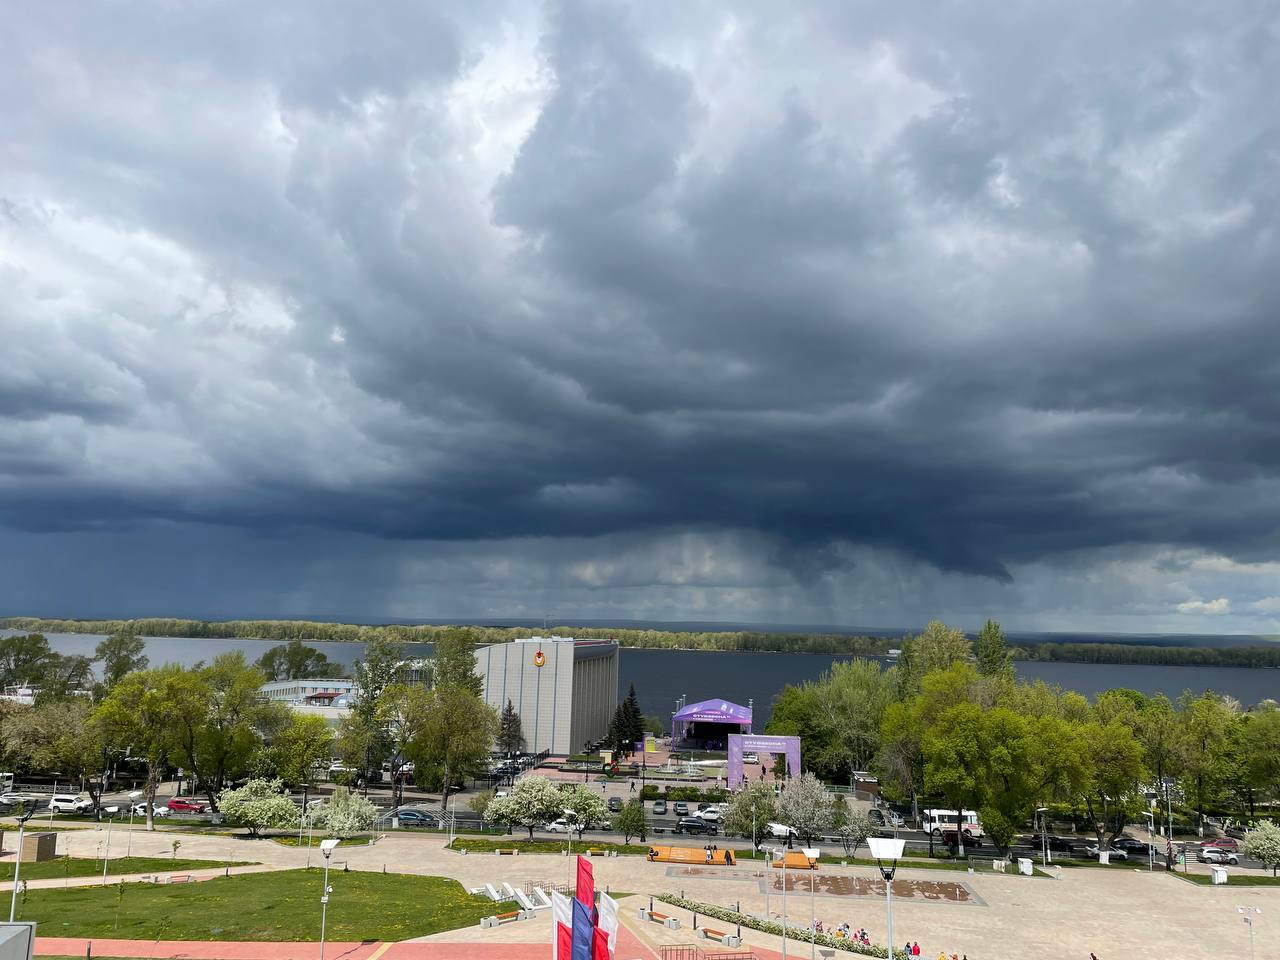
23 817
326 848
887 848
812 854
1043 813
106 857
133 802
1245 913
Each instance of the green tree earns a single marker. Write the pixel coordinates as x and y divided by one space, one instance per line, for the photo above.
403 714
633 717
937 647
992 654
631 821
134 718
750 812
296 661
296 749
374 672
61 736
1262 843
1207 723
480 801
1262 749
24 660
119 654
853 827
1116 770
510 733
454 661
259 805
455 740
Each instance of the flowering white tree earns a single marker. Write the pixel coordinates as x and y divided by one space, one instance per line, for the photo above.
584 808
804 804
534 802
344 814
259 805
1262 843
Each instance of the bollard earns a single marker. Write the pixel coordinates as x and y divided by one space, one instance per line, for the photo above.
88 950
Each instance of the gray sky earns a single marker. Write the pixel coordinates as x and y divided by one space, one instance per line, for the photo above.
814 313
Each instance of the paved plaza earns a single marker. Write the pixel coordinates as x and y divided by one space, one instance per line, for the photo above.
1112 912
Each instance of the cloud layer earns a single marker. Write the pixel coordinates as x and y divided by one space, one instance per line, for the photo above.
774 307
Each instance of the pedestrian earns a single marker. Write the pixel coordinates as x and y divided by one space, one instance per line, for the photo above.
708 853
633 786
907 948
915 948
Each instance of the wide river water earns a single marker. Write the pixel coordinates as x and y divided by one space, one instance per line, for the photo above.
661 676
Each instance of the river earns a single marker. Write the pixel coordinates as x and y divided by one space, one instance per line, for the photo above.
661 676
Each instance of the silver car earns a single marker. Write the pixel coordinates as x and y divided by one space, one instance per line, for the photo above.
1217 855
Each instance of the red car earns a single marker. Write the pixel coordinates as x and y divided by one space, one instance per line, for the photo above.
185 805
1225 843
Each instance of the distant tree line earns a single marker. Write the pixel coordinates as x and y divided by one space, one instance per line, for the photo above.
732 640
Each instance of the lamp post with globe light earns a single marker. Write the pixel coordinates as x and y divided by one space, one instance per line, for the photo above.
326 848
1245 914
133 803
106 856
25 813
887 849
1043 814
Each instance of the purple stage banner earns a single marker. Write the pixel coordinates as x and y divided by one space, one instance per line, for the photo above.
742 743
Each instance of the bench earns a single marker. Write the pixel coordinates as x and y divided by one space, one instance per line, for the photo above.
507 852
498 919
728 939
796 861
671 923
179 878
692 855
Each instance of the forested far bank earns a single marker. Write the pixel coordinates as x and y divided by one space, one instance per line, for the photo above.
734 640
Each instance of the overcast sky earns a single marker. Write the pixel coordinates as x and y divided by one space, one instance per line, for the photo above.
831 313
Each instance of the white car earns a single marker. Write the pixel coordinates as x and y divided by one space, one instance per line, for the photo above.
559 826
69 803
780 831
140 810
709 815
1113 853
13 799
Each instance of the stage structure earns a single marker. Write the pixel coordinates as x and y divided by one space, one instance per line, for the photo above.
708 724
738 745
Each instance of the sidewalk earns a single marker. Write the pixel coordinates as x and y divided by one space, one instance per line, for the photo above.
49 883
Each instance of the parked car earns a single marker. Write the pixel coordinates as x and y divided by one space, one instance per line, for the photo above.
884 818
695 825
710 815
140 810
70 803
1217 855
780 831
615 804
1063 844
1135 848
1227 843
410 817
949 838
681 808
659 808
559 826
186 805
1115 853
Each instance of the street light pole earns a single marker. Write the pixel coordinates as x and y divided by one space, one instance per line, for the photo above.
326 847
133 802
1244 912
1044 835
887 848
17 864
106 857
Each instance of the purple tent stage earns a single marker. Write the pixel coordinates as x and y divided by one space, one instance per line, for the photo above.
710 711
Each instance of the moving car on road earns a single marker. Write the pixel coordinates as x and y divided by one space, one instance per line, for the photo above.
1114 853
411 817
695 825
70 803
1217 855
186 805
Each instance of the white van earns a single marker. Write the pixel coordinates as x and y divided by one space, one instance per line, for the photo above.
940 822
70 803
780 831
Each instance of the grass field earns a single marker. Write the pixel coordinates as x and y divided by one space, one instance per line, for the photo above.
1233 879
292 841
283 905
553 847
119 866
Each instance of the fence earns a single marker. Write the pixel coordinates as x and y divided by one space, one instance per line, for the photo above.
688 951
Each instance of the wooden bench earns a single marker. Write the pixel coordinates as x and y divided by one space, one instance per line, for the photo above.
671 923
796 861
498 919
719 858
728 939
507 852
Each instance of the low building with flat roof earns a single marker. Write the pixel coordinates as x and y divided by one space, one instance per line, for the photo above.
564 690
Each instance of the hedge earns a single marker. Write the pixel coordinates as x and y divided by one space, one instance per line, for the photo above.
768 926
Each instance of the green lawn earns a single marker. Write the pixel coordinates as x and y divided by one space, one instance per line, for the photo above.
86 867
1234 879
292 841
283 905
554 847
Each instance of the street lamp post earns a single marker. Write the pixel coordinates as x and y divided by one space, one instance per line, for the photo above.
23 817
1044 834
1245 913
890 849
1151 847
106 857
326 848
779 853
133 802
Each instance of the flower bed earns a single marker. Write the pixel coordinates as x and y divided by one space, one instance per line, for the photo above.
769 926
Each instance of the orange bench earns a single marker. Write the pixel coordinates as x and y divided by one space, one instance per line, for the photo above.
690 855
796 861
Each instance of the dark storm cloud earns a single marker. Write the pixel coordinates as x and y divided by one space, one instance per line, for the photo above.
983 288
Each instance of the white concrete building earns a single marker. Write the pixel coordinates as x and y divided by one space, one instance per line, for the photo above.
564 690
